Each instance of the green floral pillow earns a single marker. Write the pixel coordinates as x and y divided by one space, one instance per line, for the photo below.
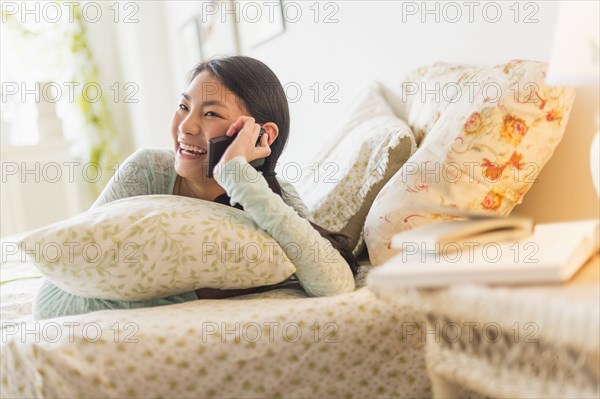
154 246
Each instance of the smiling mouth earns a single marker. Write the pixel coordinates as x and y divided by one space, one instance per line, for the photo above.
191 151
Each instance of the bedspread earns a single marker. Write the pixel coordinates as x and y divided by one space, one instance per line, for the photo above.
279 343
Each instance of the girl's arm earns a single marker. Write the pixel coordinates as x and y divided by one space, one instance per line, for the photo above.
320 268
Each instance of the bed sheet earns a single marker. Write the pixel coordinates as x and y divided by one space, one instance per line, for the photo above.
279 343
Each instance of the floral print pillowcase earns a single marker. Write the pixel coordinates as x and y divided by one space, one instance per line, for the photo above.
153 246
484 132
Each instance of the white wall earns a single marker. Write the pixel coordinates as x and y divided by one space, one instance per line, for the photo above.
135 56
103 40
369 41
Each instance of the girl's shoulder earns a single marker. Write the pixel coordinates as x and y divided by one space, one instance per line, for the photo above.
146 171
154 166
152 157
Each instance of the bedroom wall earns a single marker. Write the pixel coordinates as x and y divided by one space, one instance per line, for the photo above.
371 39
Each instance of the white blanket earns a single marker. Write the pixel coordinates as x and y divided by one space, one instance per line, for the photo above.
279 343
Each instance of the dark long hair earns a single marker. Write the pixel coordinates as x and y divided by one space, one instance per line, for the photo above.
263 96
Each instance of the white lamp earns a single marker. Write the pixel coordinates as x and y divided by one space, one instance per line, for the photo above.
575 58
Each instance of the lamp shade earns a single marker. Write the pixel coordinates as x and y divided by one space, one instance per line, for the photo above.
576 48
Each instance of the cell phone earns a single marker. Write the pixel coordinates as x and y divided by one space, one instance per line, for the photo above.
217 147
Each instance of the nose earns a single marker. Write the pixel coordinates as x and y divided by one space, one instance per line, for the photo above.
190 125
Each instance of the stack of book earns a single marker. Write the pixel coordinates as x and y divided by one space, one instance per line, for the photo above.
488 250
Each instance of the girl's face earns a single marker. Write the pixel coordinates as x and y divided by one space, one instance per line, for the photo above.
206 109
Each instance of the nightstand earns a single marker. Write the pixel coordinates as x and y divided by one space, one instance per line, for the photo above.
532 341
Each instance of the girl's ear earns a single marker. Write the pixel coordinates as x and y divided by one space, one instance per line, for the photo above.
272 130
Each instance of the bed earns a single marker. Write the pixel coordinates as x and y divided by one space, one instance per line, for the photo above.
278 343
282 343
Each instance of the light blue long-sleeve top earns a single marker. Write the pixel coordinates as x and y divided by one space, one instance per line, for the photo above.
320 269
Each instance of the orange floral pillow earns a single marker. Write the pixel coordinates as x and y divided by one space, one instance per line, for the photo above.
485 133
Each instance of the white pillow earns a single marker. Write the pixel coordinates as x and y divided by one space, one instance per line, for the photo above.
154 246
341 182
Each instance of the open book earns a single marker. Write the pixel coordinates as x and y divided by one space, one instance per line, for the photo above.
552 253
454 235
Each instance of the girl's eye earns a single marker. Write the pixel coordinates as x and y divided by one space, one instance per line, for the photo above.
182 106
210 113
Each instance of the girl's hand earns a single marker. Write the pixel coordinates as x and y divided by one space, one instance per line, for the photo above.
245 142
